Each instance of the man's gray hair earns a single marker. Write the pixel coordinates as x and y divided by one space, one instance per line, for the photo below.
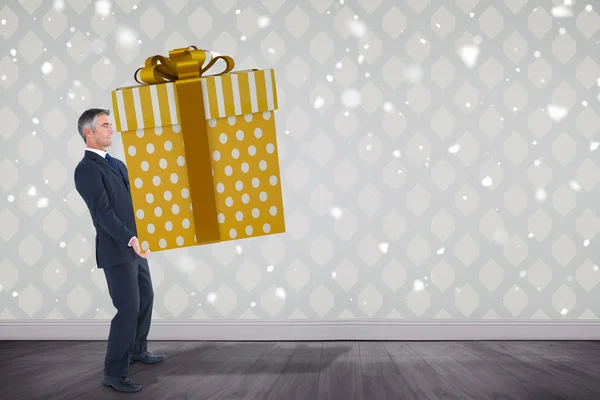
87 120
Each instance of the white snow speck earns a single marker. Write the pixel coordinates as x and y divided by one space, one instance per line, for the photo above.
537 163
126 38
238 11
564 311
396 153
270 268
0 287
42 202
594 145
455 148
575 185
271 50
103 8
15 294
589 8
238 249
468 54
47 68
36 121
561 12
384 247
336 212
32 191
10 198
334 274
319 101
586 242
357 28
186 264
211 297
418 285
280 292
63 245
530 235
537 54
329 78
522 274
487 181
58 5
388 107
541 195
441 251
596 268
253 304
413 74
556 113
263 21
13 52
351 98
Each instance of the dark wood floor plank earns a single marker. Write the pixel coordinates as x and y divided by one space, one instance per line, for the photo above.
380 376
200 368
473 375
554 375
299 379
420 379
259 379
312 370
341 376
534 370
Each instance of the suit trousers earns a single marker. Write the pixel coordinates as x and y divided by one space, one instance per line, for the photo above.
130 288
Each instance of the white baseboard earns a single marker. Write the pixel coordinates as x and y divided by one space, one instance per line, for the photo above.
301 330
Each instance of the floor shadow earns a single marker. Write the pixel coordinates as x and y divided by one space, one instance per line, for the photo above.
206 358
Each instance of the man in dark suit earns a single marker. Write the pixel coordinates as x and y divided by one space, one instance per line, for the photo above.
103 183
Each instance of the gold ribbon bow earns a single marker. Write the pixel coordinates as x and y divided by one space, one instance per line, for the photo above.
181 64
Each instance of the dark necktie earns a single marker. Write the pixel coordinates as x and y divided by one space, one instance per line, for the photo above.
113 162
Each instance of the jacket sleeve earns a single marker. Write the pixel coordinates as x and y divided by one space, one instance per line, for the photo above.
88 182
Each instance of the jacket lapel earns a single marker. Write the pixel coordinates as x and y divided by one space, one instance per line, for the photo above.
124 177
106 164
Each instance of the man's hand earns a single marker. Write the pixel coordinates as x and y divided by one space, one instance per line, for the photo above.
135 243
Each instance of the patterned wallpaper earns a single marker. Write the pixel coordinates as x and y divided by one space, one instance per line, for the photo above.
438 158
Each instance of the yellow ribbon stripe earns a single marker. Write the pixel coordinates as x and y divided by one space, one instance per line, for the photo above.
235 93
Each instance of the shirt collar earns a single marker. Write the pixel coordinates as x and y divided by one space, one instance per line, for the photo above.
99 152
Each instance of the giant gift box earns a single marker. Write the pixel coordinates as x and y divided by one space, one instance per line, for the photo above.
201 151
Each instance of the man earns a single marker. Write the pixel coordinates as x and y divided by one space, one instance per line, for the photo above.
103 183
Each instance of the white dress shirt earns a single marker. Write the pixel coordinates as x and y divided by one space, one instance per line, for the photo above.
100 152
103 155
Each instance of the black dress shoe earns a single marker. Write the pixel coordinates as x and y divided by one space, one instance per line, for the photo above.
147 358
121 384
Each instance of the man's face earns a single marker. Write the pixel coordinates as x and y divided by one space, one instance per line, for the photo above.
104 130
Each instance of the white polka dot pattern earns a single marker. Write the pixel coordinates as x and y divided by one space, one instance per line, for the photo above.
246 175
244 160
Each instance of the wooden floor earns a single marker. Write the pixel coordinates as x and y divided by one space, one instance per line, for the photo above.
311 370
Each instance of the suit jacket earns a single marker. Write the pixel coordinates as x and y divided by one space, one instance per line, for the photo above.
107 195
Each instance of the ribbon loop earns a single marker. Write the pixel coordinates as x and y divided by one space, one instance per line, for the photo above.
182 63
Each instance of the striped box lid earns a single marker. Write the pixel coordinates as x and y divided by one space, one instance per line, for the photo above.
235 93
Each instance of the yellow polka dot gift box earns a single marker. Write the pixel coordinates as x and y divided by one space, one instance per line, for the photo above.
201 151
